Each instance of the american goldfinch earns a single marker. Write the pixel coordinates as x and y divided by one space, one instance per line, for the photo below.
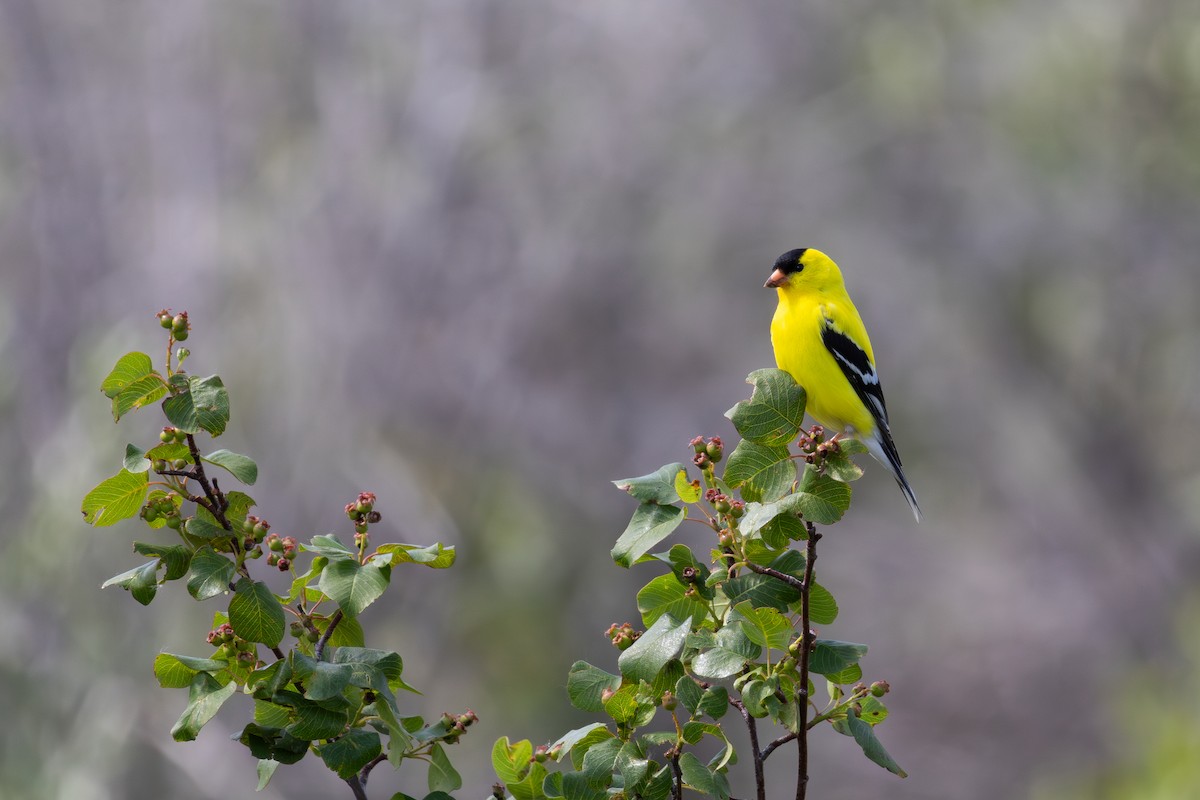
821 341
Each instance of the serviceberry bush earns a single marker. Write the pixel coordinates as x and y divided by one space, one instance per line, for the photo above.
312 684
727 633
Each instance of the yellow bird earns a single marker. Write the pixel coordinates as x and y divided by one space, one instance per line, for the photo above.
820 340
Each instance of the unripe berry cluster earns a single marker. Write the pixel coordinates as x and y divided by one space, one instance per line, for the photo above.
163 508
725 504
457 724
177 324
708 451
170 435
813 445
622 636
283 551
541 753
362 513
302 631
229 645
253 529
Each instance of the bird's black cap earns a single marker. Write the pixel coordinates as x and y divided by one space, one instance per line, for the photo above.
789 262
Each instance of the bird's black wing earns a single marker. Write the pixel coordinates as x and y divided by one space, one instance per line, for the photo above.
859 371
861 374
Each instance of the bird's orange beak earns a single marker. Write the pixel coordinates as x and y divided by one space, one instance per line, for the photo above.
776 280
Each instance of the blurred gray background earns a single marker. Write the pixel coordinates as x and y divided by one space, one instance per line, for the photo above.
484 257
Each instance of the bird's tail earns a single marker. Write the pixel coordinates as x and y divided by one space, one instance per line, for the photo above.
884 450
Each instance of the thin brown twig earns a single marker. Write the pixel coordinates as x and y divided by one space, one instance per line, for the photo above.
782 740
806 644
752 727
677 785
790 580
319 651
365 772
215 497
357 787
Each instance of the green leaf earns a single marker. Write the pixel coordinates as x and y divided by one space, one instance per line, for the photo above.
509 761
657 487
240 466
659 786
132 384
667 677
666 595
141 582
864 734
873 712
350 752
633 765
315 722
586 736
329 546
205 698
688 492
689 693
175 558
831 656
650 524
774 413
117 498
322 680
348 633
821 499
702 779
755 694
765 626
786 714
515 767
573 786
838 464
585 685
389 664
238 506
205 526
354 586
822 608
273 744
135 459
599 761
662 642
714 702
129 368
727 657
775 523
178 672
270 715
255 613
266 768
434 556
210 573
763 591
694 731
442 775
843 677
623 705
763 472
205 406
168 452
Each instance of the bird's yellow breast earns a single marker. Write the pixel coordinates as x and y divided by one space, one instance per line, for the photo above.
796 336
